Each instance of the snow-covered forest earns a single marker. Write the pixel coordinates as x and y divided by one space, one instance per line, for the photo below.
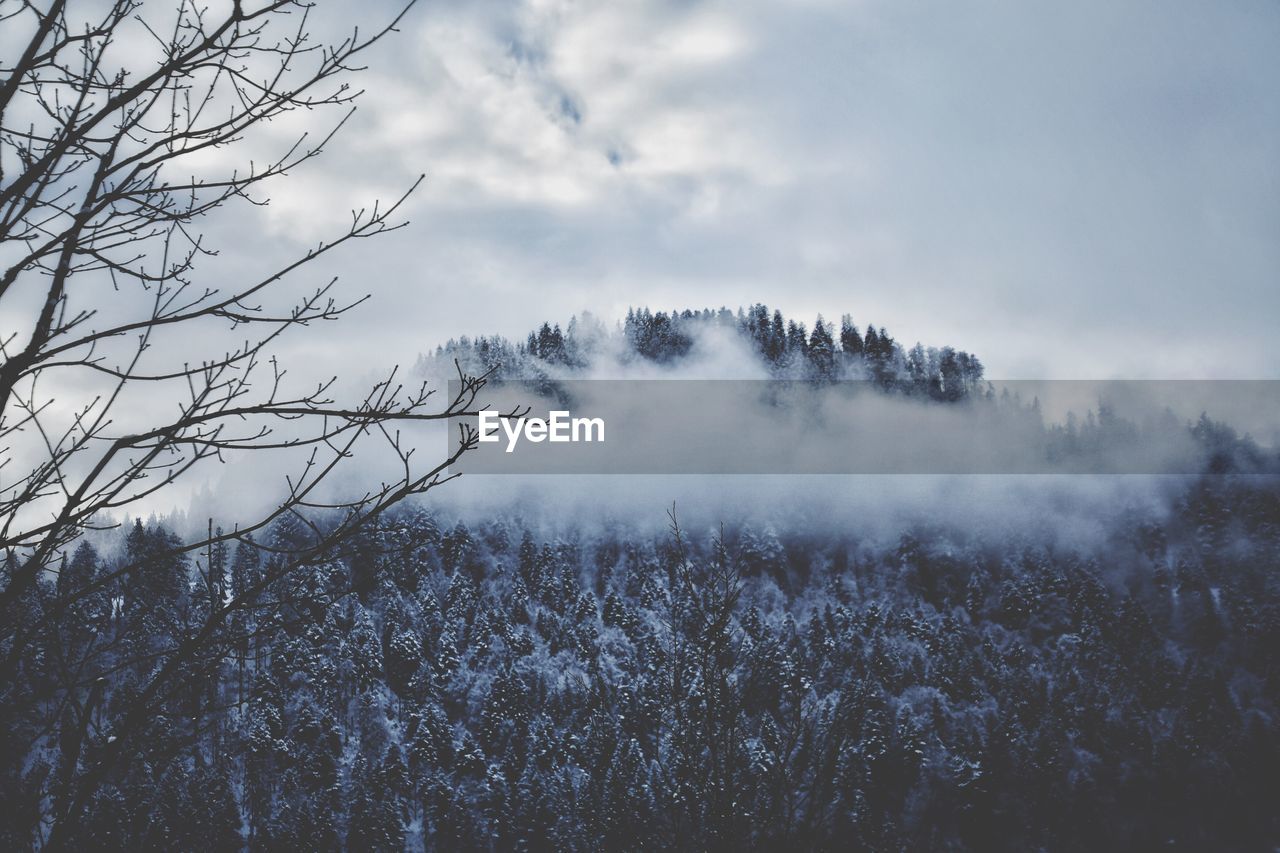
326 524
488 680
786 349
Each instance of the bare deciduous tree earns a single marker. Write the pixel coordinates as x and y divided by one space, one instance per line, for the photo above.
110 114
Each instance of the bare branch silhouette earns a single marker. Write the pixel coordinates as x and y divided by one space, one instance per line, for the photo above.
108 112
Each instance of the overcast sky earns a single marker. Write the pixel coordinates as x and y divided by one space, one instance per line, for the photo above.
1086 189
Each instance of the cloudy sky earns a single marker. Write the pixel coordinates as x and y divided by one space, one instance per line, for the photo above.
1086 190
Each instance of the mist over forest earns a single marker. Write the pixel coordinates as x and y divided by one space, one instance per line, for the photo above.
326 524
806 662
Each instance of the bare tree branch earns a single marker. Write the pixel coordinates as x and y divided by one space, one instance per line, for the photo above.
103 112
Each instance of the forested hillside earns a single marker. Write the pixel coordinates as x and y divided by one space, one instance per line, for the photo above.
784 348
494 679
470 684
677 344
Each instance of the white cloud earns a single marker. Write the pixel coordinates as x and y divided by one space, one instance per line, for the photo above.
1068 190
